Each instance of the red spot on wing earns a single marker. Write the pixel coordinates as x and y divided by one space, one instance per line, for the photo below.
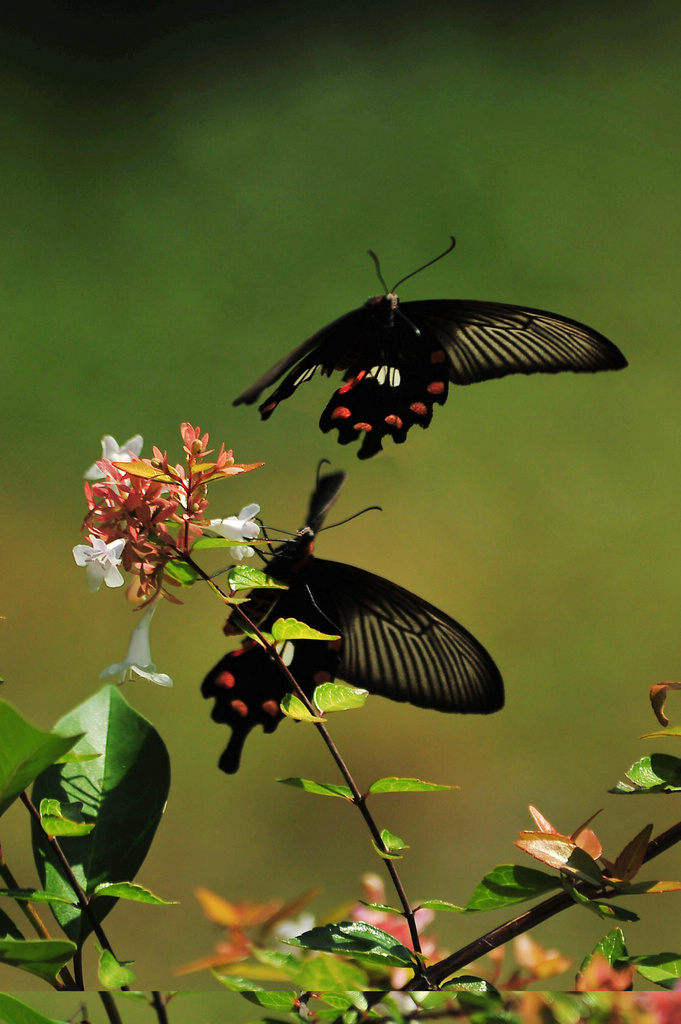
436 387
419 409
321 677
340 413
362 426
437 356
269 408
334 645
240 707
394 421
270 707
225 679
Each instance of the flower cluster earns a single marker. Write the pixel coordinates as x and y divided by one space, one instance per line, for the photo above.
146 513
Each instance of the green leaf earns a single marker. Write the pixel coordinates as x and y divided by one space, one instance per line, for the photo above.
339 697
655 773
42 957
321 788
246 577
441 905
218 542
72 757
292 629
25 752
324 973
124 792
580 865
34 896
475 995
612 948
294 708
111 973
675 730
12 1011
357 939
601 909
392 784
235 984
510 883
281 1001
132 891
392 842
182 572
382 907
662 969
64 819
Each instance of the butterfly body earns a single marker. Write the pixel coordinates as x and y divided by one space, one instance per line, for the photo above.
398 359
392 642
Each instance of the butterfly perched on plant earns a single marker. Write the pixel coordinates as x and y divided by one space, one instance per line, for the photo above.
392 642
398 359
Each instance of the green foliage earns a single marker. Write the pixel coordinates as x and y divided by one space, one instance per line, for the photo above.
42 957
292 629
321 788
25 752
654 773
338 697
123 792
393 784
363 941
247 577
12 1011
59 819
111 973
293 707
131 891
507 884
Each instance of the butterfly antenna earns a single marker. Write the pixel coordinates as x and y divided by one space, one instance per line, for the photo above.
378 270
322 462
428 264
333 624
371 508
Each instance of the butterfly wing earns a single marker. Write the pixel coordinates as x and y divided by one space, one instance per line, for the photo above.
399 646
323 498
322 351
484 340
248 686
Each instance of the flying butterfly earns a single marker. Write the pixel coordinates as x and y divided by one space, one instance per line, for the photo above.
398 358
393 643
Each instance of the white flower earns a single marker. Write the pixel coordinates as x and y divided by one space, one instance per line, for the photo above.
100 561
239 527
138 658
113 453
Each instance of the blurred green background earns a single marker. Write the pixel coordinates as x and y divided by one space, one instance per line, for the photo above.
189 191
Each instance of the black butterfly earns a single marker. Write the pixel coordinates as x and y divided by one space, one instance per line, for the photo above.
398 359
392 643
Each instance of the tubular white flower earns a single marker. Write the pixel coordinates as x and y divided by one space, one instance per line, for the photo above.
138 657
101 561
115 453
239 527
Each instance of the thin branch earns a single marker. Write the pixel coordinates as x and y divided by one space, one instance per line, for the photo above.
111 1008
358 798
83 901
159 1004
541 912
33 917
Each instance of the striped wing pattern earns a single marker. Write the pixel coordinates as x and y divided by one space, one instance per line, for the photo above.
397 645
484 340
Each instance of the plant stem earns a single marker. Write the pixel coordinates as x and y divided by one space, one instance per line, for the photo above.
159 1005
33 917
541 912
358 798
83 901
111 1008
